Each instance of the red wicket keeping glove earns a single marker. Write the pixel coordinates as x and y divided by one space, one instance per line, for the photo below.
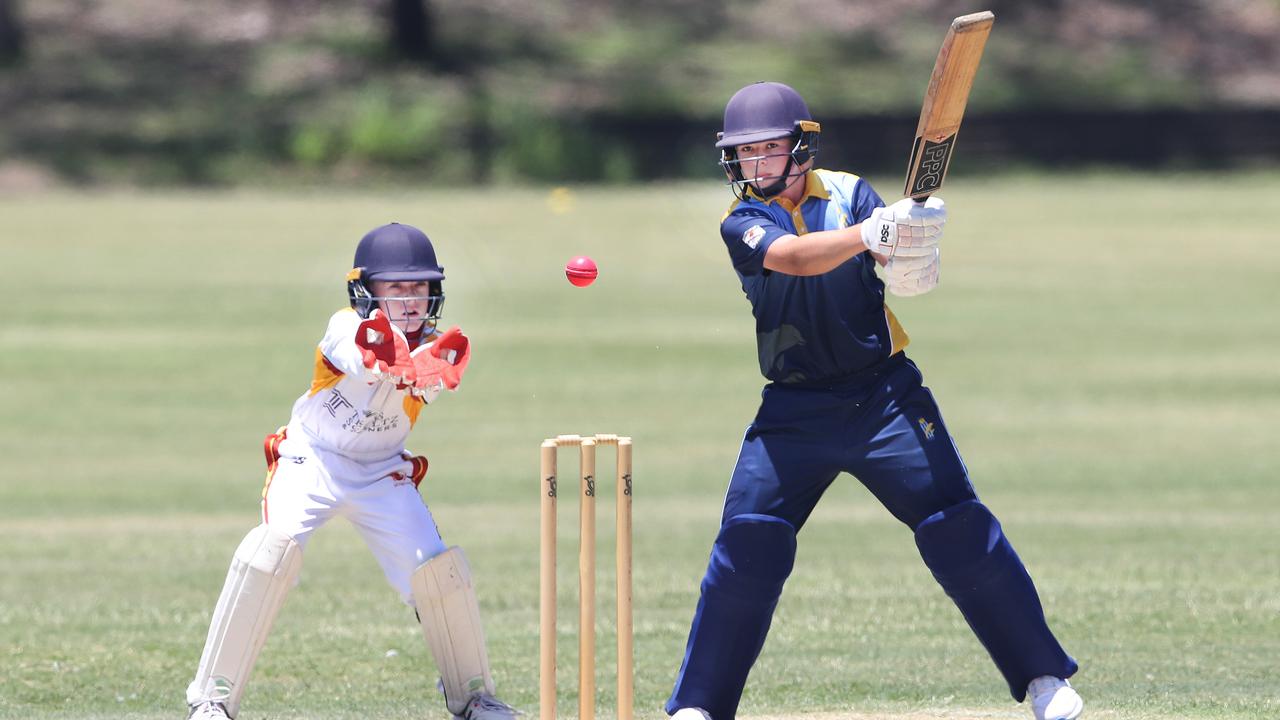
442 363
385 351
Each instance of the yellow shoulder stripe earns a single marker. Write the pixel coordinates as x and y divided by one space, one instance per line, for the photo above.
325 374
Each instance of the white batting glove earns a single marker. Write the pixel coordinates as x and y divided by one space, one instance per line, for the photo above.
908 275
905 227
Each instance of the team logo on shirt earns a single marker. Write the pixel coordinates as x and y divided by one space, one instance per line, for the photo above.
336 402
926 427
370 421
752 237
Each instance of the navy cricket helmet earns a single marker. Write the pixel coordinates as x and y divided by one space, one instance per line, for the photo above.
395 252
766 111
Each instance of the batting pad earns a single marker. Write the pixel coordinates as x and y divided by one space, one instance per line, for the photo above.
970 557
262 572
752 557
450 617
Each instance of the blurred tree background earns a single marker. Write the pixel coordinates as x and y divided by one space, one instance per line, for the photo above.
155 92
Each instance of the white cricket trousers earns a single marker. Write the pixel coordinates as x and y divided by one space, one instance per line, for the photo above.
308 486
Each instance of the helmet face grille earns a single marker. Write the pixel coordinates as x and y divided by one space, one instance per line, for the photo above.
364 302
803 149
434 301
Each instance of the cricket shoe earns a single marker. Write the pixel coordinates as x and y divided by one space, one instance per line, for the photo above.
208 710
1054 699
484 706
691 714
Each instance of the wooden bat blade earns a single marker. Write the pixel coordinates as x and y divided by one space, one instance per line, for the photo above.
944 103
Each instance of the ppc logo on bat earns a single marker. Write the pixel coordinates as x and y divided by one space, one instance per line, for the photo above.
931 164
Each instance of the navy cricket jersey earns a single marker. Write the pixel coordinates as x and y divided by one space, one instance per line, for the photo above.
822 328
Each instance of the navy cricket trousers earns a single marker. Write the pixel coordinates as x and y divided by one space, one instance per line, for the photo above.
884 428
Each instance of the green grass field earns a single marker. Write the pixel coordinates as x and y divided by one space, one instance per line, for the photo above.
1104 349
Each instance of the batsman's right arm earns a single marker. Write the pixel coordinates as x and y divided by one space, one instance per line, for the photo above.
905 227
814 253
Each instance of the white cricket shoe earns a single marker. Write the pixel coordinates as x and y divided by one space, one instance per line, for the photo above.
1054 699
691 714
208 710
484 706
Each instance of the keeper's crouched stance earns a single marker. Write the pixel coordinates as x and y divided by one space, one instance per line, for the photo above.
343 454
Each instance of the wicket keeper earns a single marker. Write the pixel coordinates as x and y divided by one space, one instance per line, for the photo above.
844 397
343 454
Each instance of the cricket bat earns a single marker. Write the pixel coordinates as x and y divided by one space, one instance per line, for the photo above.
944 103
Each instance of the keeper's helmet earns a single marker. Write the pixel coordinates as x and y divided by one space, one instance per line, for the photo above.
395 252
766 111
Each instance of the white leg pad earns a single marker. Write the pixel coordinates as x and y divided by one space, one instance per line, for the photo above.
450 617
263 570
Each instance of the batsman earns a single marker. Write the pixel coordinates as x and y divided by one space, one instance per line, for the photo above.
343 455
842 397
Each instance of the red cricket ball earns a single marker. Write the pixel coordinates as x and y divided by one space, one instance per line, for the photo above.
581 271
